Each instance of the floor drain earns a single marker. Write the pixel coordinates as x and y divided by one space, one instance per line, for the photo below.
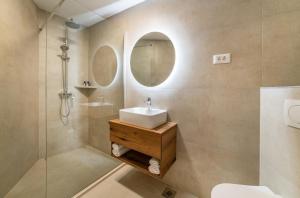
169 193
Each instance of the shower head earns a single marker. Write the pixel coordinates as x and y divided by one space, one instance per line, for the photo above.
72 24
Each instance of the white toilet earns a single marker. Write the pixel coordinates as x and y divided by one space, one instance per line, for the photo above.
242 191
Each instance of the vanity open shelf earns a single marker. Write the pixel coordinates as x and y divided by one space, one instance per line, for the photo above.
142 166
158 143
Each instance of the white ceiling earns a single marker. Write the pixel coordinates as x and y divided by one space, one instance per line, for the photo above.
87 12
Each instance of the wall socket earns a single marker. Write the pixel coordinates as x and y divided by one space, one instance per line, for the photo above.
222 59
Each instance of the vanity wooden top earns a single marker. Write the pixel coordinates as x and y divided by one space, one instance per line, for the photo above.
159 130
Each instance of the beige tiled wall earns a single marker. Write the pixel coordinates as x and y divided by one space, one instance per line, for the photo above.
281 42
18 91
216 106
60 137
279 143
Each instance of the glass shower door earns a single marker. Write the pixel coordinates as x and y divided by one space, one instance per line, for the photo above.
73 160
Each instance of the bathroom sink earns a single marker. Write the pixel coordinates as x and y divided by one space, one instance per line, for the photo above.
143 117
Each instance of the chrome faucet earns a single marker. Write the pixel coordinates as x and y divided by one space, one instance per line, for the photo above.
149 103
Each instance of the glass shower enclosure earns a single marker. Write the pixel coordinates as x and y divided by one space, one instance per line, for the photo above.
73 160
53 143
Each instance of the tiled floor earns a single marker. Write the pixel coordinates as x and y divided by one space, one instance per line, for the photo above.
70 172
129 183
67 174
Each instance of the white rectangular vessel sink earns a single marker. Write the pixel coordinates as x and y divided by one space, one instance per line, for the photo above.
143 117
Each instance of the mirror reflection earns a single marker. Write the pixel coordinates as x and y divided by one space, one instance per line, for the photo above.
104 66
152 59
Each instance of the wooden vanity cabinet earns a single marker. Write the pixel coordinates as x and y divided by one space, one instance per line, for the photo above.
159 143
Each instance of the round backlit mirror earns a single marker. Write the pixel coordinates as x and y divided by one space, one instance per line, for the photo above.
104 66
152 59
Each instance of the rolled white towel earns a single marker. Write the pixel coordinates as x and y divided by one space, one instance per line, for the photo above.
155 166
154 170
154 162
120 152
117 146
116 153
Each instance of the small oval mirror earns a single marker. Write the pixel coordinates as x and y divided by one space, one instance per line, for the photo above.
152 59
104 66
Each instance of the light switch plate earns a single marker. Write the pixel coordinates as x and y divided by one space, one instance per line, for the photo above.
222 59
